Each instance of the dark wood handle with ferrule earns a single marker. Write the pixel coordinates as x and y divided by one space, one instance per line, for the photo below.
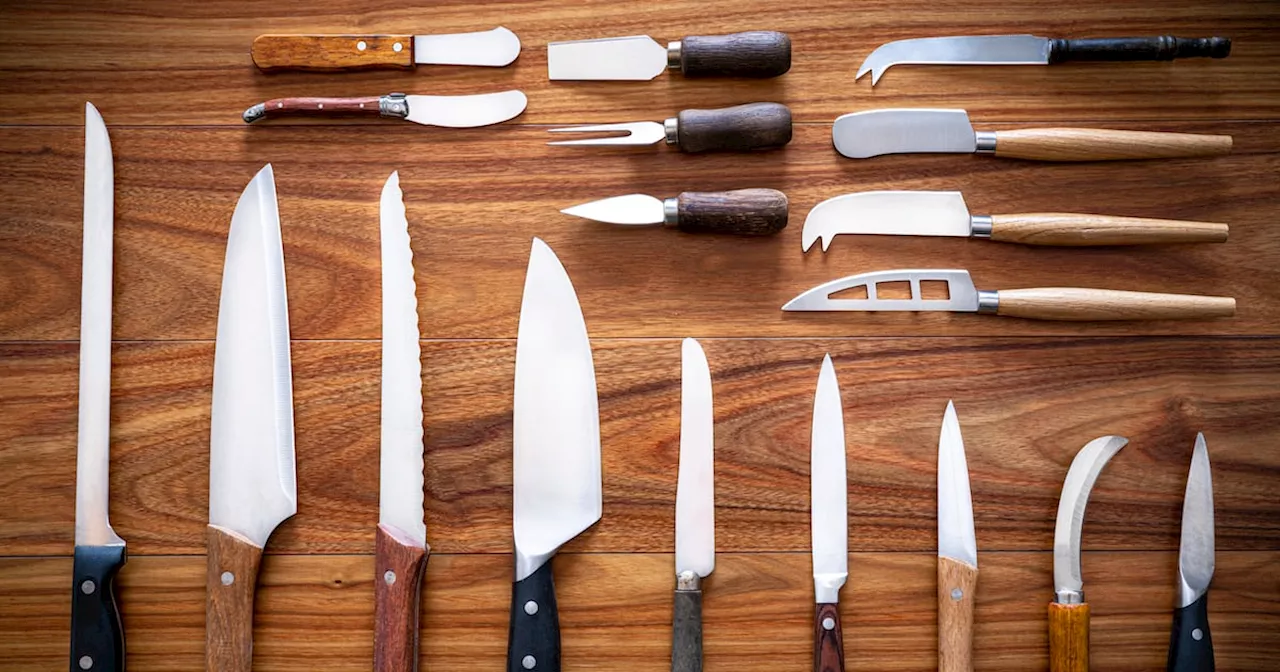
757 54
1190 646
1067 229
828 642
741 128
1160 48
314 107
232 576
396 597
1068 637
533 638
326 53
686 631
97 637
743 212
1092 144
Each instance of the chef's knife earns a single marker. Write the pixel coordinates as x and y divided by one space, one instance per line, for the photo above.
1049 303
402 534
741 128
1032 50
1190 646
957 551
943 213
97 638
557 483
252 483
494 48
1069 613
695 508
829 520
757 54
745 212
481 109
904 131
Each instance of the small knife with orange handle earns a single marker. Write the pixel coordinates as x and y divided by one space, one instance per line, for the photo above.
957 551
328 53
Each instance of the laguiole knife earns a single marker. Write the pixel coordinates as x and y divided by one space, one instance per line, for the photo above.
1069 613
743 212
402 534
829 520
482 109
557 484
756 54
695 508
1190 646
493 48
252 482
97 637
957 551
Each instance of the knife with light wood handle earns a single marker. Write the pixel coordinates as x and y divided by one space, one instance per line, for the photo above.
957 551
328 53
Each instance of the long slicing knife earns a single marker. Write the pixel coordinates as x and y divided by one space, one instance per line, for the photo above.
402 534
493 48
557 484
695 508
957 551
1190 646
482 109
252 481
1069 613
97 638
756 54
829 520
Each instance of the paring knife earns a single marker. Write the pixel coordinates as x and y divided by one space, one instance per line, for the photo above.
695 508
402 533
1190 646
745 212
904 131
97 638
252 483
449 111
758 54
1069 613
829 520
557 483
957 551
1032 50
495 48
944 213
741 128
1048 303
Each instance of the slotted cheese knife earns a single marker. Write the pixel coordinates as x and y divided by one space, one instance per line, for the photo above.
493 48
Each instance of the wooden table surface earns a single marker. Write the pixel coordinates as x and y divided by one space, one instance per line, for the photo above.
171 80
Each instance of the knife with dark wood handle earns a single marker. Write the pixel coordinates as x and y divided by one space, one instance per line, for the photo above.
739 128
1161 48
756 54
400 562
828 639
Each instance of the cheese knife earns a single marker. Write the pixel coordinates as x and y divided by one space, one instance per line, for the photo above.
1032 50
401 539
97 637
695 508
1190 646
252 482
957 551
1069 613
494 48
481 109
862 135
745 212
944 213
1049 303
741 128
756 54
557 483
828 520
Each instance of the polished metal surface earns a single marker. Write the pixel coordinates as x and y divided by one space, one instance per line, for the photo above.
961 50
1195 553
902 131
962 296
1085 467
828 489
695 488
635 133
956 537
635 57
981 226
632 209
481 109
988 301
493 48
892 213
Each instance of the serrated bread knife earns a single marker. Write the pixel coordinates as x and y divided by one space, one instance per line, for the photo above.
754 54
695 508
483 109
1190 645
957 551
743 212
493 48
828 519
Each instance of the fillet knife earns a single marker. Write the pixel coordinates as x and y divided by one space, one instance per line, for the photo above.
695 508
741 128
755 54
481 109
744 212
494 48
957 551
828 520
1190 646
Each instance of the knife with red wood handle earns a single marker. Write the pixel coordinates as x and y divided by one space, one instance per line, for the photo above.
829 520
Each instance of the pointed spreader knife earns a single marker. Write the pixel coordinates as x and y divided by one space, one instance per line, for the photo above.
494 48
744 212
741 128
1190 646
695 508
481 109
828 520
755 54
957 551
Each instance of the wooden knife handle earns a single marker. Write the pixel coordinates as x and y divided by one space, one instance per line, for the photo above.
370 106
828 642
744 212
757 54
1092 144
1161 48
97 637
396 599
1068 637
533 640
1063 229
957 582
1190 646
327 53
1076 304
741 128
232 576
686 631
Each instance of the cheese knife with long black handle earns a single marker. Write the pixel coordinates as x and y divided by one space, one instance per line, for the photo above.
957 551
743 212
695 508
828 520
753 54
492 48
1190 646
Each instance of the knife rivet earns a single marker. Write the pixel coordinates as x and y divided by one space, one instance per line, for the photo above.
85 662
531 607
828 623
389 577
319 106
1197 634
228 578
957 594
88 587
361 46
528 662
397 47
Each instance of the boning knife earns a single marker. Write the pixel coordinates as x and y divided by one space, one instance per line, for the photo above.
957 551
482 109
755 54
494 48
744 212
695 508
1190 645
829 520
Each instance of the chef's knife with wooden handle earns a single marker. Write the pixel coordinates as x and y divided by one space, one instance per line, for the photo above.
754 54
828 519
741 128
447 111
1190 644
957 551
327 53
695 508
744 212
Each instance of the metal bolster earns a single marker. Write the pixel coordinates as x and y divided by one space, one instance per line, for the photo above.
394 105
672 127
988 301
980 226
1069 597
255 113
985 142
673 54
670 211
688 581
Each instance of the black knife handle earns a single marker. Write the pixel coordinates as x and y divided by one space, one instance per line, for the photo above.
758 54
1162 48
686 631
1187 652
741 128
97 638
533 641
742 212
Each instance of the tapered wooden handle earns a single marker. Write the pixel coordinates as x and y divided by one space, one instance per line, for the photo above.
1092 144
828 639
1190 645
321 107
332 52
757 53
1077 304
1068 637
232 576
396 594
97 637
1063 229
744 212
957 582
686 631
1161 48
740 128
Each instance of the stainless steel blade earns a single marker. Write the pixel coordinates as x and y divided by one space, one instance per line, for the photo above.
828 490
494 48
962 295
629 209
1195 554
93 449
956 538
252 483
400 474
1086 466
903 131
890 213
695 489
466 111
636 57
637 133
557 486
963 50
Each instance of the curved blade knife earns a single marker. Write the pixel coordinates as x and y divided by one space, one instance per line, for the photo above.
695 508
957 551
829 520
1190 646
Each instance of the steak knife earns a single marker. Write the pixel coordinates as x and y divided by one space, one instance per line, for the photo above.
482 109
1190 646
97 637
829 520
695 508
557 488
252 481
957 551
494 48
755 54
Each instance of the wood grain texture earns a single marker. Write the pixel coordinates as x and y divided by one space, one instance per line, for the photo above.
332 52
231 579
740 128
744 212
1076 304
1074 230
1097 144
1068 637
955 614
397 592
319 107
828 642
756 54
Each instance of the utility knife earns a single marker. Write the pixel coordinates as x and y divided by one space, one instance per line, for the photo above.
754 54
957 551
695 508
828 520
1190 646
494 48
